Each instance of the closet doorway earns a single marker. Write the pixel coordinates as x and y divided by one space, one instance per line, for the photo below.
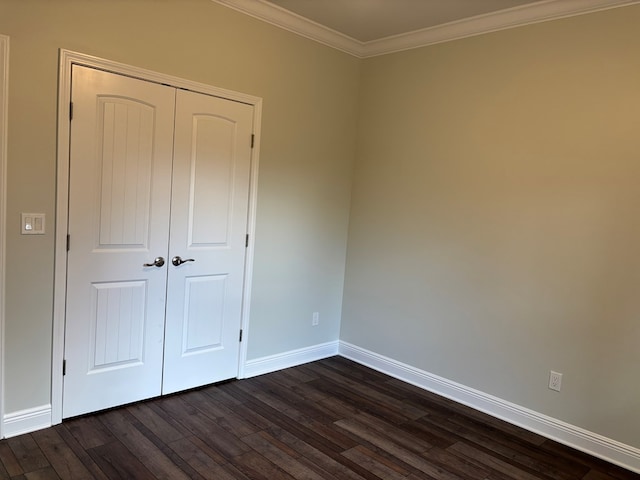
159 189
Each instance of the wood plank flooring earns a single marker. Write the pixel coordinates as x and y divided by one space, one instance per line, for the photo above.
332 419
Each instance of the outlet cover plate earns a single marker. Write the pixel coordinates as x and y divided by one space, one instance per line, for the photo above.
32 223
555 381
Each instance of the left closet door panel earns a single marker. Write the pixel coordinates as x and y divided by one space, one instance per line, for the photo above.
119 211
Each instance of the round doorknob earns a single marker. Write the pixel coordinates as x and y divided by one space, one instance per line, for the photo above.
158 262
177 260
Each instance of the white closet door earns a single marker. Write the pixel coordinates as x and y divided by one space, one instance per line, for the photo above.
212 157
119 205
155 174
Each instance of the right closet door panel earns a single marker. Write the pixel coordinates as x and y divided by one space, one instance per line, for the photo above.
209 208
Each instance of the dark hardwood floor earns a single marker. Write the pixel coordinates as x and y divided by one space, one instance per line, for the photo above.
331 419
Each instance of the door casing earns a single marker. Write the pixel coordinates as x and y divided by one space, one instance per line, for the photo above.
67 60
4 102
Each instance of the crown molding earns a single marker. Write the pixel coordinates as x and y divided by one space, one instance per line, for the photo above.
295 23
501 20
542 11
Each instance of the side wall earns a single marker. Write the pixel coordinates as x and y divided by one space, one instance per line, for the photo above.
495 216
307 151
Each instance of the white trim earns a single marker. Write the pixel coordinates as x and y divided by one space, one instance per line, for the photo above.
280 361
292 22
67 60
4 121
26 421
502 20
537 12
592 443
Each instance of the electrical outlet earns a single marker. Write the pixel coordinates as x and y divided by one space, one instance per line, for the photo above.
315 320
555 381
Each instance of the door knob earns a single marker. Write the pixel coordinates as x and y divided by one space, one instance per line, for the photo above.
158 262
177 260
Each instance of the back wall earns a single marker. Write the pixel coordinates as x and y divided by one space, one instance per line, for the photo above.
495 219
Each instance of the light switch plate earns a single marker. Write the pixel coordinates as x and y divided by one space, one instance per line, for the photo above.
32 223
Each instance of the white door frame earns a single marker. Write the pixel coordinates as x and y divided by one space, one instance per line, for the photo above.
67 60
4 104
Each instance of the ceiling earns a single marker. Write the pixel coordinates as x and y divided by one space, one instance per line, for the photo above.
366 28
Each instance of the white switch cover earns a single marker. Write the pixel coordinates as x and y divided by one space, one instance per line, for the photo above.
32 223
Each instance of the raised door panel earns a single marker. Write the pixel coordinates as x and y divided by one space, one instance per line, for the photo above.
211 184
126 150
203 314
117 324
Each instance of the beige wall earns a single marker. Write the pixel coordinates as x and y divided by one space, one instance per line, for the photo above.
495 223
307 151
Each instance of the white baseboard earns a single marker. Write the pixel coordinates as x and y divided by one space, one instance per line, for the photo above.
626 456
32 419
26 421
280 361
592 443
